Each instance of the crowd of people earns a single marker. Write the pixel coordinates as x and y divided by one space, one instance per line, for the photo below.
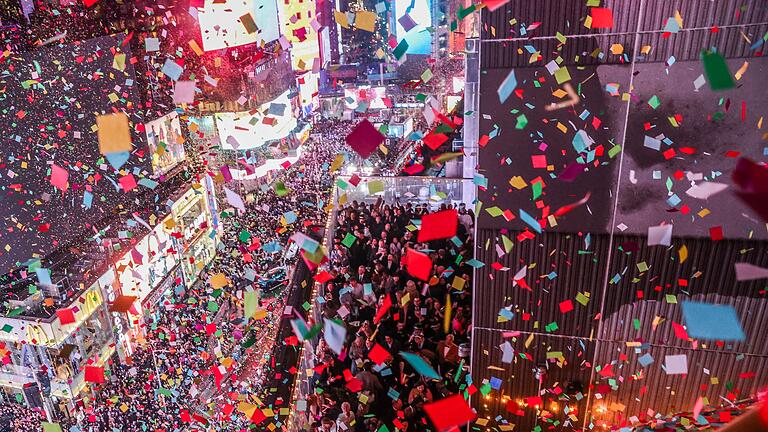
384 307
16 417
189 362
194 357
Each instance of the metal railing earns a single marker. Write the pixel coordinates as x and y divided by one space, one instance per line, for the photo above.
414 190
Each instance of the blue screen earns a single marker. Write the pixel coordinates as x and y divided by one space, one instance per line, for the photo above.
418 38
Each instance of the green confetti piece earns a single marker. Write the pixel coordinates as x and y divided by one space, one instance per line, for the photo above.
400 50
537 189
349 240
716 71
582 299
522 122
654 102
494 211
613 151
463 13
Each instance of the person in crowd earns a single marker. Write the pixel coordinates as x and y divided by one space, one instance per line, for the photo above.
417 321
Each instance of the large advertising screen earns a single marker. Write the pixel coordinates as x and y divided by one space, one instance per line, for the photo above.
250 129
418 37
141 269
296 17
309 87
226 24
166 143
373 97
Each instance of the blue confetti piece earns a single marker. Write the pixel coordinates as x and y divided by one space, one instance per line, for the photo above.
172 69
530 221
507 86
712 322
645 360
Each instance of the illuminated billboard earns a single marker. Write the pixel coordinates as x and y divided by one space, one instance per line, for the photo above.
166 143
417 17
141 269
309 87
296 18
250 129
373 97
227 24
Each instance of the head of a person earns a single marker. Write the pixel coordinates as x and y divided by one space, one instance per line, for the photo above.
327 424
359 340
388 339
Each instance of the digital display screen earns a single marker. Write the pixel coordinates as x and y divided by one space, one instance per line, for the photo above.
250 129
308 91
221 25
166 144
372 96
143 268
296 18
418 37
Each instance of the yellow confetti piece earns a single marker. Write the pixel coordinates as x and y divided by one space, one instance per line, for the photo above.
195 47
656 321
562 75
739 73
617 49
679 19
518 183
682 253
529 340
338 161
458 283
552 221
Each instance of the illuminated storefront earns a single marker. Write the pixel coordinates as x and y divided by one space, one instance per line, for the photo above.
46 355
193 221
140 273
